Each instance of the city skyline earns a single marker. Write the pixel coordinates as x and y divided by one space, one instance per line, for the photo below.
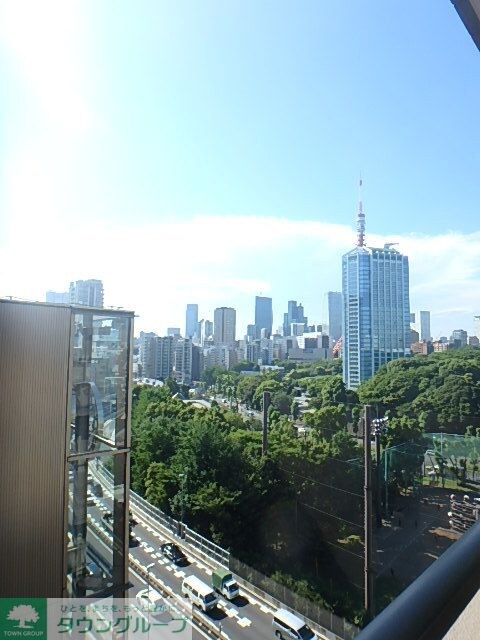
271 172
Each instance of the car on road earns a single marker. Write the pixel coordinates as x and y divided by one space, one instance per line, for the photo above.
199 593
97 490
287 625
173 553
151 601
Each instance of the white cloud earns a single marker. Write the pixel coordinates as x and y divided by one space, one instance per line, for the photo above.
156 269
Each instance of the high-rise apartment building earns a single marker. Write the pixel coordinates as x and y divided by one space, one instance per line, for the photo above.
191 320
422 325
263 314
157 356
182 367
376 308
148 353
204 332
224 320
64 427
57 297
295 314
164 357
174 332
87 292
335 310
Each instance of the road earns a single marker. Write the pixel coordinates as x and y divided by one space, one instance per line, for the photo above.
244 618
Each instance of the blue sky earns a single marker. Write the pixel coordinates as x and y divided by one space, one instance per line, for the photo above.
210 151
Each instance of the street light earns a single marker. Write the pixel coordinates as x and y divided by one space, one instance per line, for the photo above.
148 567
183 478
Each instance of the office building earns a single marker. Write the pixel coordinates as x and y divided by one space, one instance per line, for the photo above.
459 338
58 297
87 292
252 332
375 287
263 315
174 332
191 321
473 341
422 325
65 425
297 329
295 314
224 320
335 306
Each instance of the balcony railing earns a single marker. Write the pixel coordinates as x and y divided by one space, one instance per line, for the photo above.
431 604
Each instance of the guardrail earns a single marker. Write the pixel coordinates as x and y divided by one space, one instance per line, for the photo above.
326 623
202 545
430 605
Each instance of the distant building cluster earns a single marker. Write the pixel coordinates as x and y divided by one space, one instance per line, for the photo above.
206 343
423 344
369 324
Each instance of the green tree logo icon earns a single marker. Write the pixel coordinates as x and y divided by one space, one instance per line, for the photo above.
23 613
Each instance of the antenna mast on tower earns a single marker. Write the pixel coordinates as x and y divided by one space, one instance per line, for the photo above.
360 218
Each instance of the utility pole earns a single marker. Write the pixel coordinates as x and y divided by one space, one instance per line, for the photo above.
367 496
266 404
378 469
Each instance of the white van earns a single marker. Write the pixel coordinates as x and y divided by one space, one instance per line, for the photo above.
287 625
199 593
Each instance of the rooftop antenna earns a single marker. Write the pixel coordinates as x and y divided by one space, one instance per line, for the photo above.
360 217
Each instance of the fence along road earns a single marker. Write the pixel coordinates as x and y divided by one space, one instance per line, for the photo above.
207 556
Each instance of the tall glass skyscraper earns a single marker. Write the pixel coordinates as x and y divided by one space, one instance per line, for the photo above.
263 314
376 308
191 320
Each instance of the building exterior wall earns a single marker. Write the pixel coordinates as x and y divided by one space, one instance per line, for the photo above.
34 343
